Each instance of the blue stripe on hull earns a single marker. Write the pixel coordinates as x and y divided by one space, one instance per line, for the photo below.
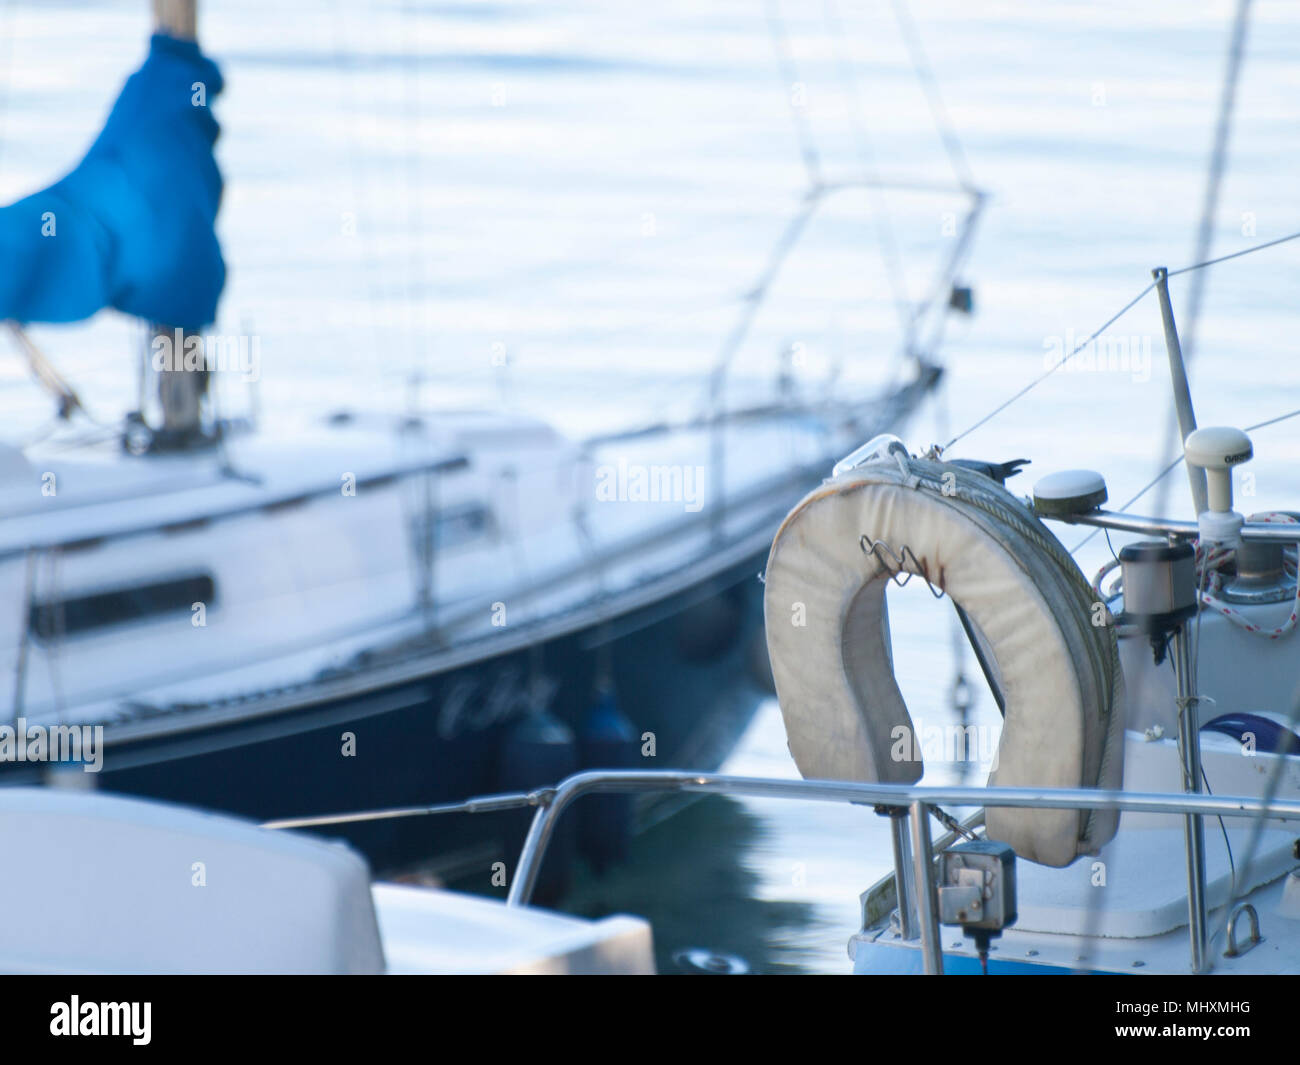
887 959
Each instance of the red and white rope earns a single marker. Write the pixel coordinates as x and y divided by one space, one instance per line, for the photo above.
1210 564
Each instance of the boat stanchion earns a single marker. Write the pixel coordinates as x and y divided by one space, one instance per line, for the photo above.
1160 596
927 896
904 886
1189 749
539 749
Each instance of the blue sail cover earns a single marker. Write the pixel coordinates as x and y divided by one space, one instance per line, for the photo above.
132 226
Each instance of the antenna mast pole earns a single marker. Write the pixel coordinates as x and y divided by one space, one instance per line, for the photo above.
1205 232
1182 392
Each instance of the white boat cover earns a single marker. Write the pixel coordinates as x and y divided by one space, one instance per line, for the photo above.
828 638
120 885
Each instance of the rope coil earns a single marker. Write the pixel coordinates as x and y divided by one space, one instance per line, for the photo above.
1213 564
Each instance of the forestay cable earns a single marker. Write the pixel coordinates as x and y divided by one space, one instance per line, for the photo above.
1106 325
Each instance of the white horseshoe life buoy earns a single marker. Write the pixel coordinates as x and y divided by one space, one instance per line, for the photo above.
828 639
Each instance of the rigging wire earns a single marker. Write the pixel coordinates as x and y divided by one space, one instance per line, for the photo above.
1233 255
889 249
1035 382
416 280
817 192
1209 209
755 296
1227 843
1048 373
345 66
1174 465
938 111
790 74
1273 421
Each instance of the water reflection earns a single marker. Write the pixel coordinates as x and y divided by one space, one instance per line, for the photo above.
688 876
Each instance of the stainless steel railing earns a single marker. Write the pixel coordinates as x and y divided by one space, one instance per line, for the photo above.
917 801
1255 531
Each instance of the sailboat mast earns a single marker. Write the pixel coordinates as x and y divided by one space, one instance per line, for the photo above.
177 18
180 391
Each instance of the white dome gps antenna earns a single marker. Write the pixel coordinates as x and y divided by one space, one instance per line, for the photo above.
1210 453
1216 450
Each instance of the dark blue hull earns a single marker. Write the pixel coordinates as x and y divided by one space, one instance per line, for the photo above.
687 674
